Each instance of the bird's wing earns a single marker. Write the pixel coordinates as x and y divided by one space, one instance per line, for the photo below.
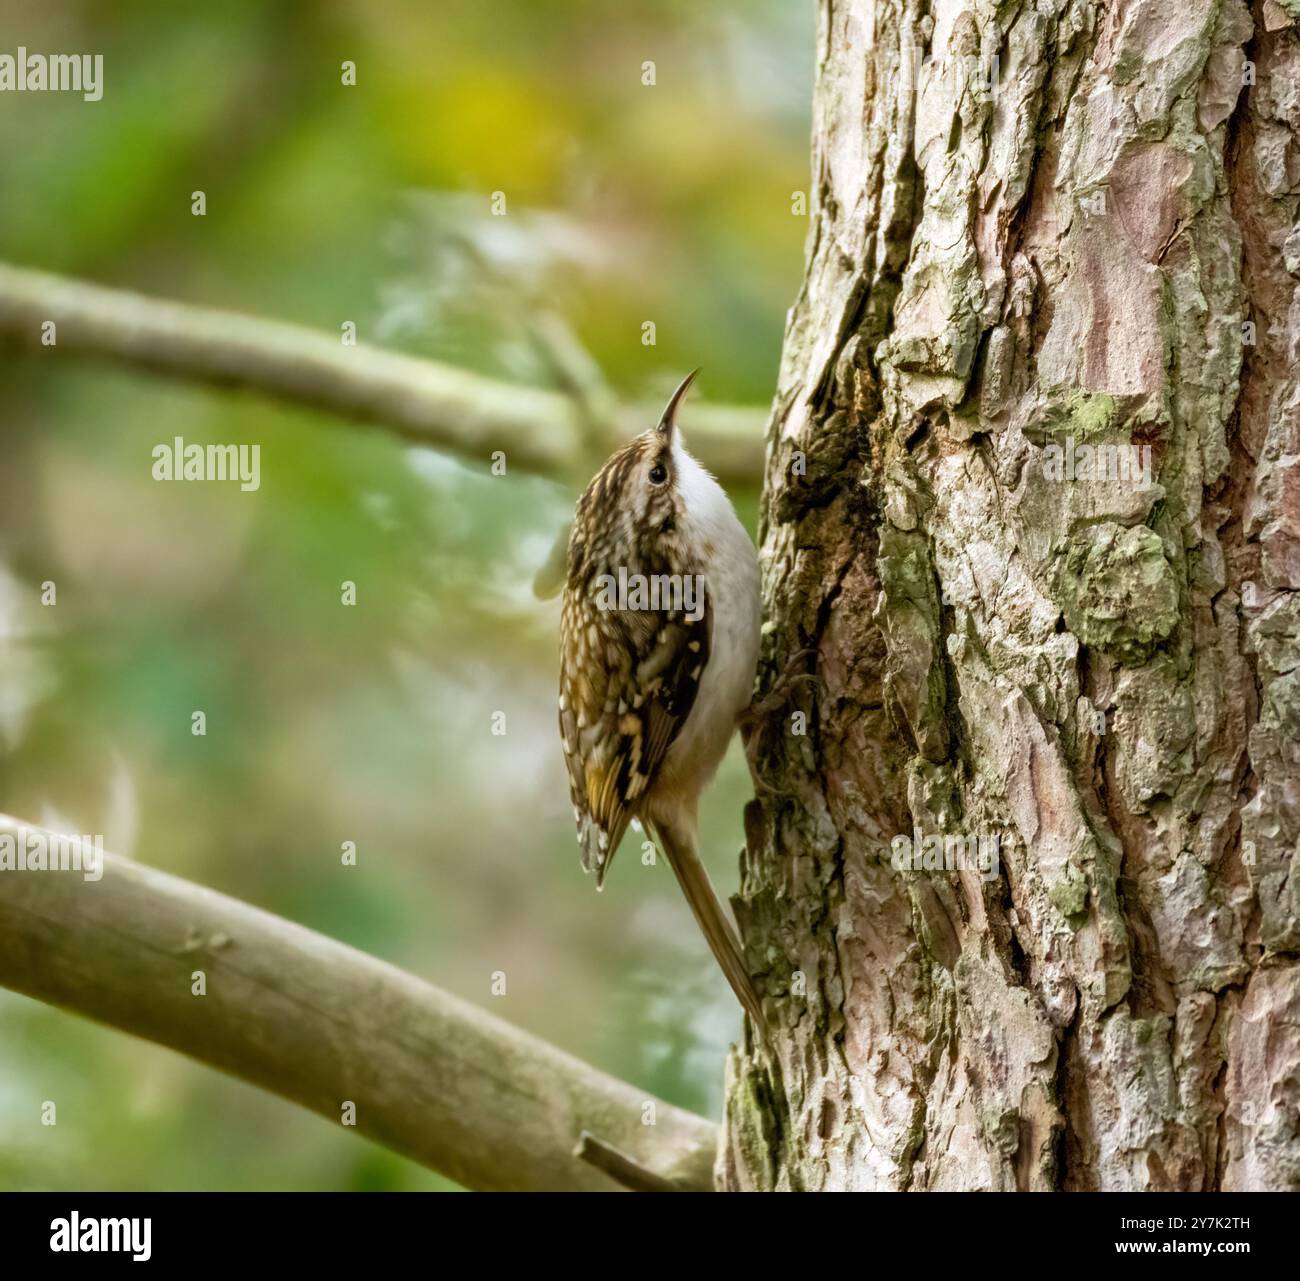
628 681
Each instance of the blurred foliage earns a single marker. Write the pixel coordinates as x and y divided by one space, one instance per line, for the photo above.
325 723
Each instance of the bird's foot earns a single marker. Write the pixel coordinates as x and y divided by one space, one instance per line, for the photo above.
777 697
758 714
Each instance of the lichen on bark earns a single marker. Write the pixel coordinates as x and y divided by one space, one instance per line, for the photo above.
1036 227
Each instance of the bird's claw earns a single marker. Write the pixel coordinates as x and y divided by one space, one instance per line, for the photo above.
757 714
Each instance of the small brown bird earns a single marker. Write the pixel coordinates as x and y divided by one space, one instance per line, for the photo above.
659 644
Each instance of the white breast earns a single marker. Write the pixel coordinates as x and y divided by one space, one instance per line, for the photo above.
731 578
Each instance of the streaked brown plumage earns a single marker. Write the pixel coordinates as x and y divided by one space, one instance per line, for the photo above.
650 690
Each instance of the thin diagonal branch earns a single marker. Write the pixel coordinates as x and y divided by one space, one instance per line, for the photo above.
420 400
323 1025
620 1167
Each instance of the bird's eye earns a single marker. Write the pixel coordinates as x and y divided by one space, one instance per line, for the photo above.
658 474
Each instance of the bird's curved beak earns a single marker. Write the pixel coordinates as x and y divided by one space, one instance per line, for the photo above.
668 419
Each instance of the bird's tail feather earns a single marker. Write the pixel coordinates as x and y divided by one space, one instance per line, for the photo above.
679 849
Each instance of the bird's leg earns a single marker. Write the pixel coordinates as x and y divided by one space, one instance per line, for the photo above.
753 719
779 694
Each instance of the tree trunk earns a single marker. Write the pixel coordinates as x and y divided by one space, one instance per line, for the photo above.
1051 245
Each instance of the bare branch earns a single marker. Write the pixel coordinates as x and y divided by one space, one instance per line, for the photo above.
420 400
620 1167
322 1024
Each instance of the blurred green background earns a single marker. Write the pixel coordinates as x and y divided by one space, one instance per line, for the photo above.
372 724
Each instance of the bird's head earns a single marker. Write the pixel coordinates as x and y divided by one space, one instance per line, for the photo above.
632 511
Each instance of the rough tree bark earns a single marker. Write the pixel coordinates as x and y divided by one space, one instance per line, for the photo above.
1101 248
